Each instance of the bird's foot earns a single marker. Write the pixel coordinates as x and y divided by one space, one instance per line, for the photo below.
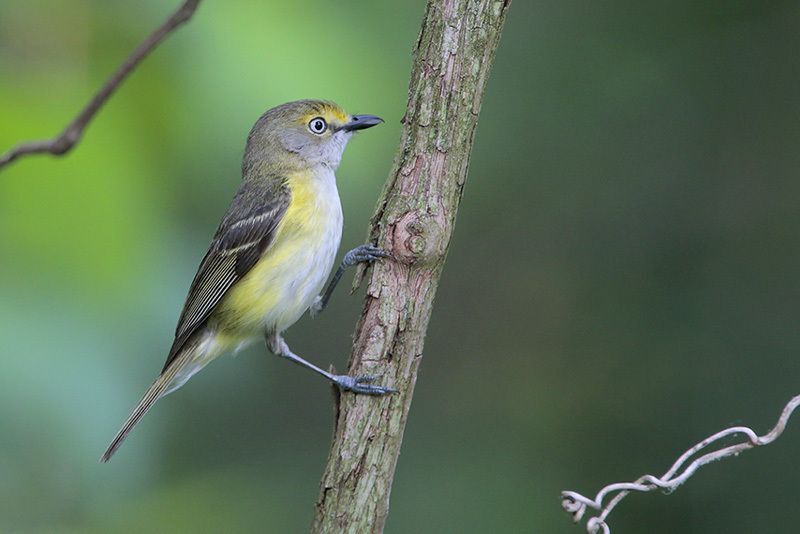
364 254
361 384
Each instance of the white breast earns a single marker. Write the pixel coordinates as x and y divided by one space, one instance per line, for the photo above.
309 262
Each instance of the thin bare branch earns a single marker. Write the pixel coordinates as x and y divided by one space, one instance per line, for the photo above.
576 504
414 220
64 142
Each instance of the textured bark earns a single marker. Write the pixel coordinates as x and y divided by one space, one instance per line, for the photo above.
414 220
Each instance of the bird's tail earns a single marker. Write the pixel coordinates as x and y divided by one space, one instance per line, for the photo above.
173 377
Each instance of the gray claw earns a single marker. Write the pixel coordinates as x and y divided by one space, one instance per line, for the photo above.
364 254
361 384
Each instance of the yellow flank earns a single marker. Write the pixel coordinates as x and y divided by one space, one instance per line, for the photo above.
278 289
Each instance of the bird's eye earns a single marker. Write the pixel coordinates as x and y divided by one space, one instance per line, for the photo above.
318 125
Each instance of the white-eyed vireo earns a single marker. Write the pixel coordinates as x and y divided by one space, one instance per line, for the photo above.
273 250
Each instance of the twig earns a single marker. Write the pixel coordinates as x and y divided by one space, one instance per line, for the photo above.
576 504
61 144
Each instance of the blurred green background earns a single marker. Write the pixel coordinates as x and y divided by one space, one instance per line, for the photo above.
623 279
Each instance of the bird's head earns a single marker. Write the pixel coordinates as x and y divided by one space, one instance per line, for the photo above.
301 135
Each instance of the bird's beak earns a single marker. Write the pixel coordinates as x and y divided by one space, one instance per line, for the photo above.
361 122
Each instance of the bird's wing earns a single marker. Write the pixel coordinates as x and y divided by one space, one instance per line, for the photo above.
246 231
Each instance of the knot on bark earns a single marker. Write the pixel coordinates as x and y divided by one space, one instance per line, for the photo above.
417 239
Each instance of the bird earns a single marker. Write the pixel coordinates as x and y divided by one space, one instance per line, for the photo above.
272 252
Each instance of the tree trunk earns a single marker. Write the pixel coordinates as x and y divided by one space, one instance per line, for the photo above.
414 220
